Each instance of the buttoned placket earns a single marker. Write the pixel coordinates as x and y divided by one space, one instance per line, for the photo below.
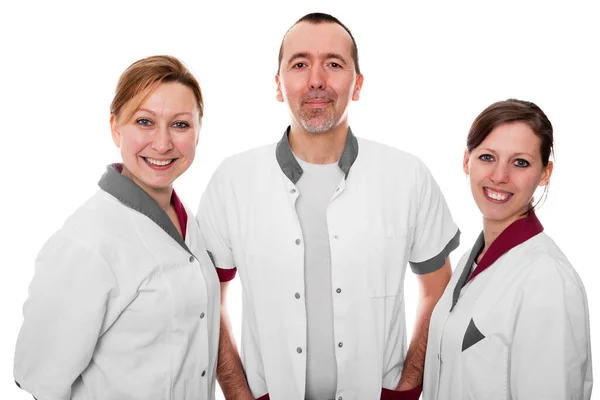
297 296
336 279
202 317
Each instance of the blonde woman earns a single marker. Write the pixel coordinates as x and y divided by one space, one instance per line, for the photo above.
124 303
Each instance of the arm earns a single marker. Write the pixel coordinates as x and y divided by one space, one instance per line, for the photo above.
550 354
212 218
230 372
63 318
431 287
434 230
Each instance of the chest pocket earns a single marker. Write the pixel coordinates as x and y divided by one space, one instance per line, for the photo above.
484 363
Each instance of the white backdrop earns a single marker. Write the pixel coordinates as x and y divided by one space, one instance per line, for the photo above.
429 69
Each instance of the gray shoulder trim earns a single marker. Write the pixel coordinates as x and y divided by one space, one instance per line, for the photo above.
436 262
472 336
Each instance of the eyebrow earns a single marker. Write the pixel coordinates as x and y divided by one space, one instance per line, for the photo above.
336 55
146 110
513 155
175 115
307 55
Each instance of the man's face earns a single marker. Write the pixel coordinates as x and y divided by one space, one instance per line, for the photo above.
316 77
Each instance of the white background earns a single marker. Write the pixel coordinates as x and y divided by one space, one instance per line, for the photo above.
429 70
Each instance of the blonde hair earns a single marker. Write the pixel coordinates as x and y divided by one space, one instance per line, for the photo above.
145 75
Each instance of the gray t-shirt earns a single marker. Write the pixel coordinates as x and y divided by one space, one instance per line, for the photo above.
316 187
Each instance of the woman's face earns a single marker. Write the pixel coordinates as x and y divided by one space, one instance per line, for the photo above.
158 143
504 171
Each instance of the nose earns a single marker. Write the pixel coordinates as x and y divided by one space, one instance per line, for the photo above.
499 174
162 140
317 79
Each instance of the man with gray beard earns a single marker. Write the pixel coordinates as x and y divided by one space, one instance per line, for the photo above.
321 227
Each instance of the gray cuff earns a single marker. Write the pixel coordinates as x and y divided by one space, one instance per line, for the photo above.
436 262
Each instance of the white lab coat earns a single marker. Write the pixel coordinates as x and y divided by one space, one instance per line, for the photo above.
119 310
519 330
387 213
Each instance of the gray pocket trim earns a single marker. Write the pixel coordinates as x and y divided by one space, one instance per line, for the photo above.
472 336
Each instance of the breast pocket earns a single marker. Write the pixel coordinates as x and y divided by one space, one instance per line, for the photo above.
484 360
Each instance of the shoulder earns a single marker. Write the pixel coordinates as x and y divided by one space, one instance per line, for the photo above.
391 163
378 152
86 240
548 267
252 158
101 209
95 222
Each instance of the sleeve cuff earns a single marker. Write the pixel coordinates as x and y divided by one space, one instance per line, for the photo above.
411 394
436 262
225 275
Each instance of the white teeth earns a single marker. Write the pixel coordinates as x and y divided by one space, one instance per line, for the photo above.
158 162
496 195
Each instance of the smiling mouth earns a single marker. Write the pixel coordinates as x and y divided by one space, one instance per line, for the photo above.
158 163
497 196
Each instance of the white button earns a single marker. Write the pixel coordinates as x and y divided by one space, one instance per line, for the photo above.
335 237
292 191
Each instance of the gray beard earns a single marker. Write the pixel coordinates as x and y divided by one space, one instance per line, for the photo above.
316 123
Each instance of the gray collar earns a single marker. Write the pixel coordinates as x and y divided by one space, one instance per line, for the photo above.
131 195
464 277
290 167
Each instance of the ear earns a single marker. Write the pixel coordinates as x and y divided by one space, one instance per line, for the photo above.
357 87
546 174
466 162
279 95
114 130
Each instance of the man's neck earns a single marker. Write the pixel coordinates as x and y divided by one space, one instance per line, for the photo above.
319 148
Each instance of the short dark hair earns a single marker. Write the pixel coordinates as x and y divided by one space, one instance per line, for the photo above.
321 18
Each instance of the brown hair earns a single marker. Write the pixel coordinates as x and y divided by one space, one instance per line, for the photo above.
148 73
321 18
510 111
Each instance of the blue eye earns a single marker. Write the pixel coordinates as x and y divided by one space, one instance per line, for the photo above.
181 125
519 162
143 122
486 157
